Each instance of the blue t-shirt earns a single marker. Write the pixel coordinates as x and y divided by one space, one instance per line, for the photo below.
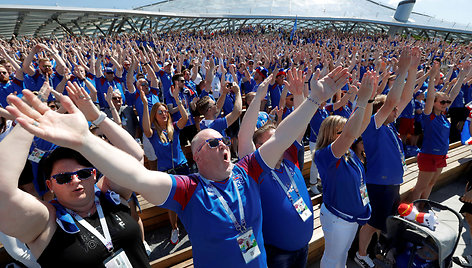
315 123
211 231
341 179
275 91
102 86
409 111
218 124
35 82
169 154
384 150
8 88
465 133
152 98
166 80
282 227
436 134
186 96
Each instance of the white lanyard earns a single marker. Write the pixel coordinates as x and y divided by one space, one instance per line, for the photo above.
105 240
240 227
395 137
284 187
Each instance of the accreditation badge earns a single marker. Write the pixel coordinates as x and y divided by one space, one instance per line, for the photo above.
36 155
118 260
364 195
302 209
248 245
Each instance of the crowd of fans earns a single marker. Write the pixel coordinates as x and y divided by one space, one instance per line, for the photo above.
196 103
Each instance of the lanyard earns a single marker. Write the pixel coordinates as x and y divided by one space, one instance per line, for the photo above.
284 187
240 227
105 240
351 159
395 137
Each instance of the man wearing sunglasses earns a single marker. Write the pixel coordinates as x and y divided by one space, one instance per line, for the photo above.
220 206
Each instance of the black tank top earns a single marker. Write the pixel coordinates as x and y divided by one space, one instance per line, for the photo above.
83 249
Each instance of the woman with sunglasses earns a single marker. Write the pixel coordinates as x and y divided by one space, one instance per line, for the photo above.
86 225
432 157
164 137
345 200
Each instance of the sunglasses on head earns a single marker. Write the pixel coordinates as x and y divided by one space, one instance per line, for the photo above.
66 177
445 101
213 143
162 112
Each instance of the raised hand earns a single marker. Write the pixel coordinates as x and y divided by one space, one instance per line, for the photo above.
295 81
324 88
83 101
369 82
67 130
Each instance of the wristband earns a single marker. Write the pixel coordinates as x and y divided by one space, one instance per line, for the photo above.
100 119
370 101
313 101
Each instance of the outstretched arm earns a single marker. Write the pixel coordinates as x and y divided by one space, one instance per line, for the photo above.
248 125
284 135
21 215
71 130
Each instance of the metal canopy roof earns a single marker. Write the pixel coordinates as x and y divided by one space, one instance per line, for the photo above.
62 21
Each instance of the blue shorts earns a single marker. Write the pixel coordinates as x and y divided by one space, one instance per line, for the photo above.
384 200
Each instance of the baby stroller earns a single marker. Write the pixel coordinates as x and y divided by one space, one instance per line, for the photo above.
410 244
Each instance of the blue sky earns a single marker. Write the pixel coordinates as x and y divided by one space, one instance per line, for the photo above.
451 10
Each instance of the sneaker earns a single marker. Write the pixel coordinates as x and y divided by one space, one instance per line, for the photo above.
464 261
174 236
364 261
314 189
147 248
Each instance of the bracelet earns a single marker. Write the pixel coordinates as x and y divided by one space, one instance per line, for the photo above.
313 101
370 101
100 119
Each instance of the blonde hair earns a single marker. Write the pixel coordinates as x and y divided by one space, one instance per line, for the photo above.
328 129
160 131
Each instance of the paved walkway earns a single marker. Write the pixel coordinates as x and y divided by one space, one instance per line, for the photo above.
448 196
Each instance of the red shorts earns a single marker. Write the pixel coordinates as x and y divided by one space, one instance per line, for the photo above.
431 162
406 126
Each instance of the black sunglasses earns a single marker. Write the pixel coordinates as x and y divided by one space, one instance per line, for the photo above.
3 72
445 101
213 143
66 177
116 98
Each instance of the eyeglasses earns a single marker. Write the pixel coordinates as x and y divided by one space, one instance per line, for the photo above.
182 80
213 143
66 177
161 112
445 101
47 66
144 84
116 98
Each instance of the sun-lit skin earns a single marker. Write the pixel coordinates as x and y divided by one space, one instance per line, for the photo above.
265 137
45 67
438 107
214 163
4 75
79 72
143 84
77 195
163 117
